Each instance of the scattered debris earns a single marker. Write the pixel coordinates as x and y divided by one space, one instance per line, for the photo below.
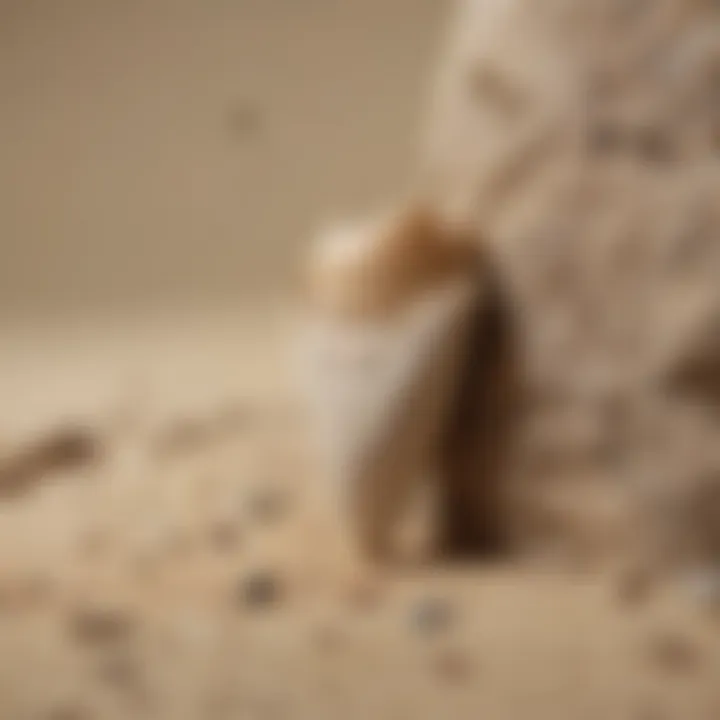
260 589
674 653
66 448
431 615
98 625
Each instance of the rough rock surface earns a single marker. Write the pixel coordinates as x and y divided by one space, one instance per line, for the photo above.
585 138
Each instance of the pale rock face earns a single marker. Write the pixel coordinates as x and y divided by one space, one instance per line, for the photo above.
586 136
379 386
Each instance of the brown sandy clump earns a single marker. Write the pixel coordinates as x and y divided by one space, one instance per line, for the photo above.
585 137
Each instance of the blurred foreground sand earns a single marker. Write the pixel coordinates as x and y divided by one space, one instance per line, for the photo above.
177 577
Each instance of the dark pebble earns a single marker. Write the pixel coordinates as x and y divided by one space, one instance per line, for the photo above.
100 625
674 653
431 615
258 590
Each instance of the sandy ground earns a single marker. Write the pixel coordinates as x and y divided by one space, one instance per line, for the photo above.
179 574
160 164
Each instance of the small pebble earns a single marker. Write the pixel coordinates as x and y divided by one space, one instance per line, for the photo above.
65 449
431 615
258 590
100 625
674 653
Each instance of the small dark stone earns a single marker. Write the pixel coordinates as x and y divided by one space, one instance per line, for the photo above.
431 615
65 449
100 625
258 590
674 653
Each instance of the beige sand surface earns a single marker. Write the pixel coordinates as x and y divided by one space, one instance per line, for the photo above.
126 587
160 161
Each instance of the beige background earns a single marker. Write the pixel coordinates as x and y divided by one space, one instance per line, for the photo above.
179 150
